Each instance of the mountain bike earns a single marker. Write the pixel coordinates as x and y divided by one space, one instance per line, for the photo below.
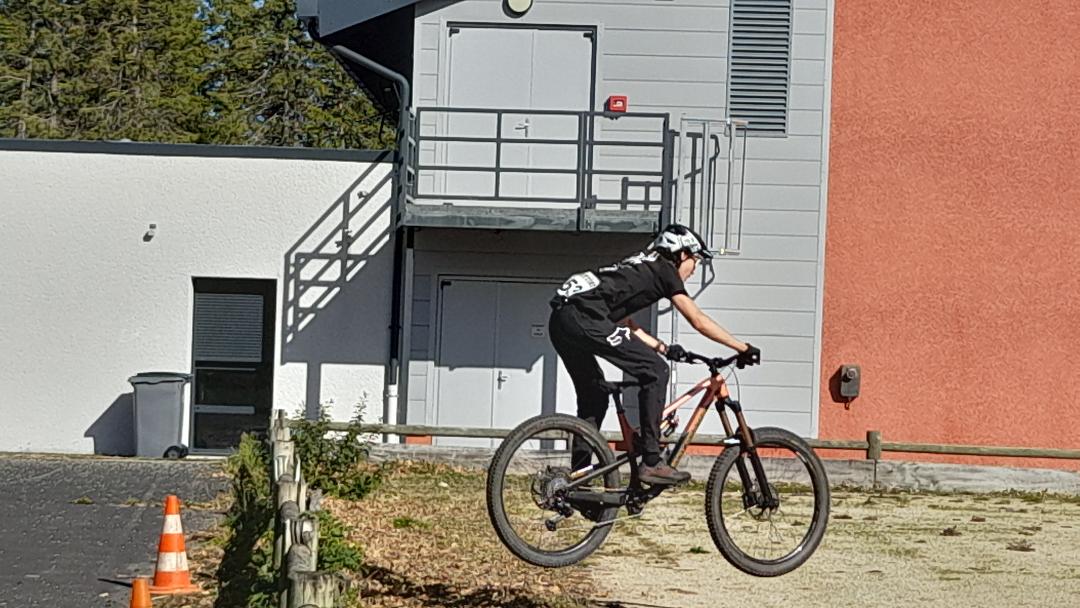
766 498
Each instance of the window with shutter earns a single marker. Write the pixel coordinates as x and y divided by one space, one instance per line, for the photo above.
228 327
759 64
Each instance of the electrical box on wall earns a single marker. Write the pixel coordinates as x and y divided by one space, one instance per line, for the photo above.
850 377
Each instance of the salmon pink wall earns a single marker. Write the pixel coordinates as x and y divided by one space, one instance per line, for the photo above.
952 266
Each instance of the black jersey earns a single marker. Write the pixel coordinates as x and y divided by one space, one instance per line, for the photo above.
620 290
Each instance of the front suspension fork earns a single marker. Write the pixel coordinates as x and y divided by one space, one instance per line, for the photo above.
747 445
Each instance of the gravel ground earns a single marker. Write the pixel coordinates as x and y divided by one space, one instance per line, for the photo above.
74 530
880 550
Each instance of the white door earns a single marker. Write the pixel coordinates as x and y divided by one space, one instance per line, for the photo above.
496 365
489 69
465 370
524 357
520 69
562 80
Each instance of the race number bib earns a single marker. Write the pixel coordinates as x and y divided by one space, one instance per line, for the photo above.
579 283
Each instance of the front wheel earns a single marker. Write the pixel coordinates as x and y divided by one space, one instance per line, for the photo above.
528 500
757 537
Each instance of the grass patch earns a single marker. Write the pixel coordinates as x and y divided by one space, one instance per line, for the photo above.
408 522
698 550
83 500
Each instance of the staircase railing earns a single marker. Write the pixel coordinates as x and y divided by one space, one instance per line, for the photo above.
702 158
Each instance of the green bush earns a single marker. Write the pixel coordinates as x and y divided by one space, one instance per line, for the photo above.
336 552
245 574
249 469
334 460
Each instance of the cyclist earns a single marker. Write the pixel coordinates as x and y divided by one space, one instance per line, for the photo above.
591 318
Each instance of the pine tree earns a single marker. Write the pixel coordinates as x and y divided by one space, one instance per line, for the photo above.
35 57
207 71
103 69
143 72
273 85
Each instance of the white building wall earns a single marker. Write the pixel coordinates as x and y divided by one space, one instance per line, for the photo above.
87 301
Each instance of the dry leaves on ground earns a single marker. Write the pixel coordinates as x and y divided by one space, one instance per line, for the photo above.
428 542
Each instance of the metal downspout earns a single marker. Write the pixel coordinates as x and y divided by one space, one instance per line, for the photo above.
394 358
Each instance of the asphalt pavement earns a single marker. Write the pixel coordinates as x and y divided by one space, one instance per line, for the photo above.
73 530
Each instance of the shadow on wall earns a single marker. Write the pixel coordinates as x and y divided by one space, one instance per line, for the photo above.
114 431
337 284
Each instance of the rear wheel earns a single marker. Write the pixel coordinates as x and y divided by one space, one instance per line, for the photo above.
527 498
756 537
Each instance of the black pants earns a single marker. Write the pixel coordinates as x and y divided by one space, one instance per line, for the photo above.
580 335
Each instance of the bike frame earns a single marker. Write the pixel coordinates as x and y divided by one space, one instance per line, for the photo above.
715 392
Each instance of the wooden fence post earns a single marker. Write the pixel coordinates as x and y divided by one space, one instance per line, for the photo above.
284 455
287 514
873 448
308 525
316 590
873 451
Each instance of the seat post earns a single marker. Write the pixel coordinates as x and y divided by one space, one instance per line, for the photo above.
616 395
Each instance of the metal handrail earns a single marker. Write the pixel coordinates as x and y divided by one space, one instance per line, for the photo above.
703 200
585 146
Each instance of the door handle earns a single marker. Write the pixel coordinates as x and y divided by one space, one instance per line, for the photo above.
501 378
523 126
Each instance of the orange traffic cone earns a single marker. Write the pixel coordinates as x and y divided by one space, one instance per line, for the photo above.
172 575
140 594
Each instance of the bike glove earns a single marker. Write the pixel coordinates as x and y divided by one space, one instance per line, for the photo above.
675 353
751 356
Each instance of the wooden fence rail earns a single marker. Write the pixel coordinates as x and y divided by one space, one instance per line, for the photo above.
873 445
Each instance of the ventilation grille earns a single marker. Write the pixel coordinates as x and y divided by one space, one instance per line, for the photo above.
228 327
760 64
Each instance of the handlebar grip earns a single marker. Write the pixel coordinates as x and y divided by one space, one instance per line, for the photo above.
711 361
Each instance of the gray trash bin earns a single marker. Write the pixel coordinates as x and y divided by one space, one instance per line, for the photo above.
159 414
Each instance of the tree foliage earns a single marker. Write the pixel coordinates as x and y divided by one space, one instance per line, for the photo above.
202 71
272 84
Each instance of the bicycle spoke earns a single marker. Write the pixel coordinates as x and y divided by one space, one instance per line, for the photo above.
763 533
535 493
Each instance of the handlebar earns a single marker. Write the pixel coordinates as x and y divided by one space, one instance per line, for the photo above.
714 363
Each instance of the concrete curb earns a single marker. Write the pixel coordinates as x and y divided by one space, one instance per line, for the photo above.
889 474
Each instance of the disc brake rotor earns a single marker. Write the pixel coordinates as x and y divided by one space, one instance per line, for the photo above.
754 500
546 483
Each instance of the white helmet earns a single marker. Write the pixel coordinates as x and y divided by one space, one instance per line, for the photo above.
676 238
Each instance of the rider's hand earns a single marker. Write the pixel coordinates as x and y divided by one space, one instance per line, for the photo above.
675 352
750 356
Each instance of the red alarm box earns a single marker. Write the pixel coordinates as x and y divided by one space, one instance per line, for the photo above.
616 103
